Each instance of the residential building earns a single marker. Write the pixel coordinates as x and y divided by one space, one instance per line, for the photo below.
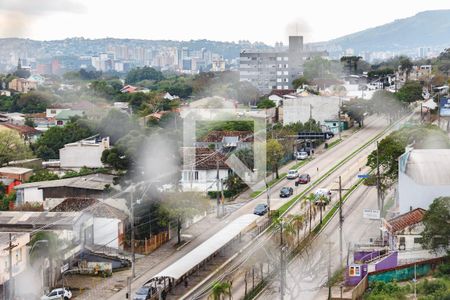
22 85
13 118
21 174
368 259
84 153
108 224
405 230
51 193
423 175
202 175
301 109
274 69
53 110
19 256
226 141
27 133
64 116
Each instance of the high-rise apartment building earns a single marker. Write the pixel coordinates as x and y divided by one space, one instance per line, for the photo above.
273 69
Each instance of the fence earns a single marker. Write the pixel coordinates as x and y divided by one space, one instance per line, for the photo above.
359 290
147 246
405 272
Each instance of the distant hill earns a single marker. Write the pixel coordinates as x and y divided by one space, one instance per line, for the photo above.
428 28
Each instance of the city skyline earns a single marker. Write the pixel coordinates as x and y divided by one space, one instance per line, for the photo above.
42 21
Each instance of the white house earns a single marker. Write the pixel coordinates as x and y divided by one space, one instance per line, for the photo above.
406 230
227 140
54 110
301 109
108 223
202 175
423 175
84 153
19 254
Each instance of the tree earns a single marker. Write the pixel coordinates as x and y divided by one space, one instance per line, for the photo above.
356 110
299 82
411 91
247 93
12 147
436 234
298 222
405 66
220 289
265 103
275 154
318 67
116 158
234 184
34 102
43 175
351 63
145 73
310 199
182 207
48 145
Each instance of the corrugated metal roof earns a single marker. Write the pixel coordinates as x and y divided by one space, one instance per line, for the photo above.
207 248
429 166
90 182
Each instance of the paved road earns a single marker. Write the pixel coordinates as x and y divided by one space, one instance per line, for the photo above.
317 167
308 273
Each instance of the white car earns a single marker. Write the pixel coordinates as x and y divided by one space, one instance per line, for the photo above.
59 293
301 155
323 192
292 174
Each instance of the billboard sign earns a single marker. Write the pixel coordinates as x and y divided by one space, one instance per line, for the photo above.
444 107
373 214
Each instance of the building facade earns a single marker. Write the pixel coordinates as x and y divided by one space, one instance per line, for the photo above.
273 69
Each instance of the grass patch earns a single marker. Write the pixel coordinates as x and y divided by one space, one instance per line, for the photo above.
334 143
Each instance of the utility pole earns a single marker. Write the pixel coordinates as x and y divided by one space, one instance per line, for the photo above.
222 197
11 287
133 255
282 267
268 197
341 223
329 270
339 117
378 180
218 188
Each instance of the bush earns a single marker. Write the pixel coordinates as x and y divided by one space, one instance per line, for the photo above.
226 194
386 291
431 287
443 270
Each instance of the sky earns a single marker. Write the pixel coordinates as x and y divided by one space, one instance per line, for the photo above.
230 20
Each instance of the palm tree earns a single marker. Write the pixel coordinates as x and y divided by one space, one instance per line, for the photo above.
298 221
406 66
221 289
311 198
322 202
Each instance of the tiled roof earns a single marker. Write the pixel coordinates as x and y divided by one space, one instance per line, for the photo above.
22 129
67 114
206 159
407 219
91 205
89 182
216 136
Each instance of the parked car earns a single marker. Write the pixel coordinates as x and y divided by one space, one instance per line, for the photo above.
286 192
301 155
303 179
322 193
328 134
292 174
143 293
261 209
59 293
308 150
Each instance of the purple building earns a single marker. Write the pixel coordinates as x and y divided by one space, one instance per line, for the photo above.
366 261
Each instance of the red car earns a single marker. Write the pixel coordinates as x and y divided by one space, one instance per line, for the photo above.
303 179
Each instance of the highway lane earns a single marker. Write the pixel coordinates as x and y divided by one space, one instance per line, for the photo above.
320 165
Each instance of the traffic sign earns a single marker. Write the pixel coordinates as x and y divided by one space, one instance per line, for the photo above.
365 176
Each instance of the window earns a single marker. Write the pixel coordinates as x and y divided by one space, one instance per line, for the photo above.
280 65
279 72
354 271
285 58
402 240
278 79
286 87
196 175
286 66
418 240
285 73
286 80
18 255
279 87
53 111
279 58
